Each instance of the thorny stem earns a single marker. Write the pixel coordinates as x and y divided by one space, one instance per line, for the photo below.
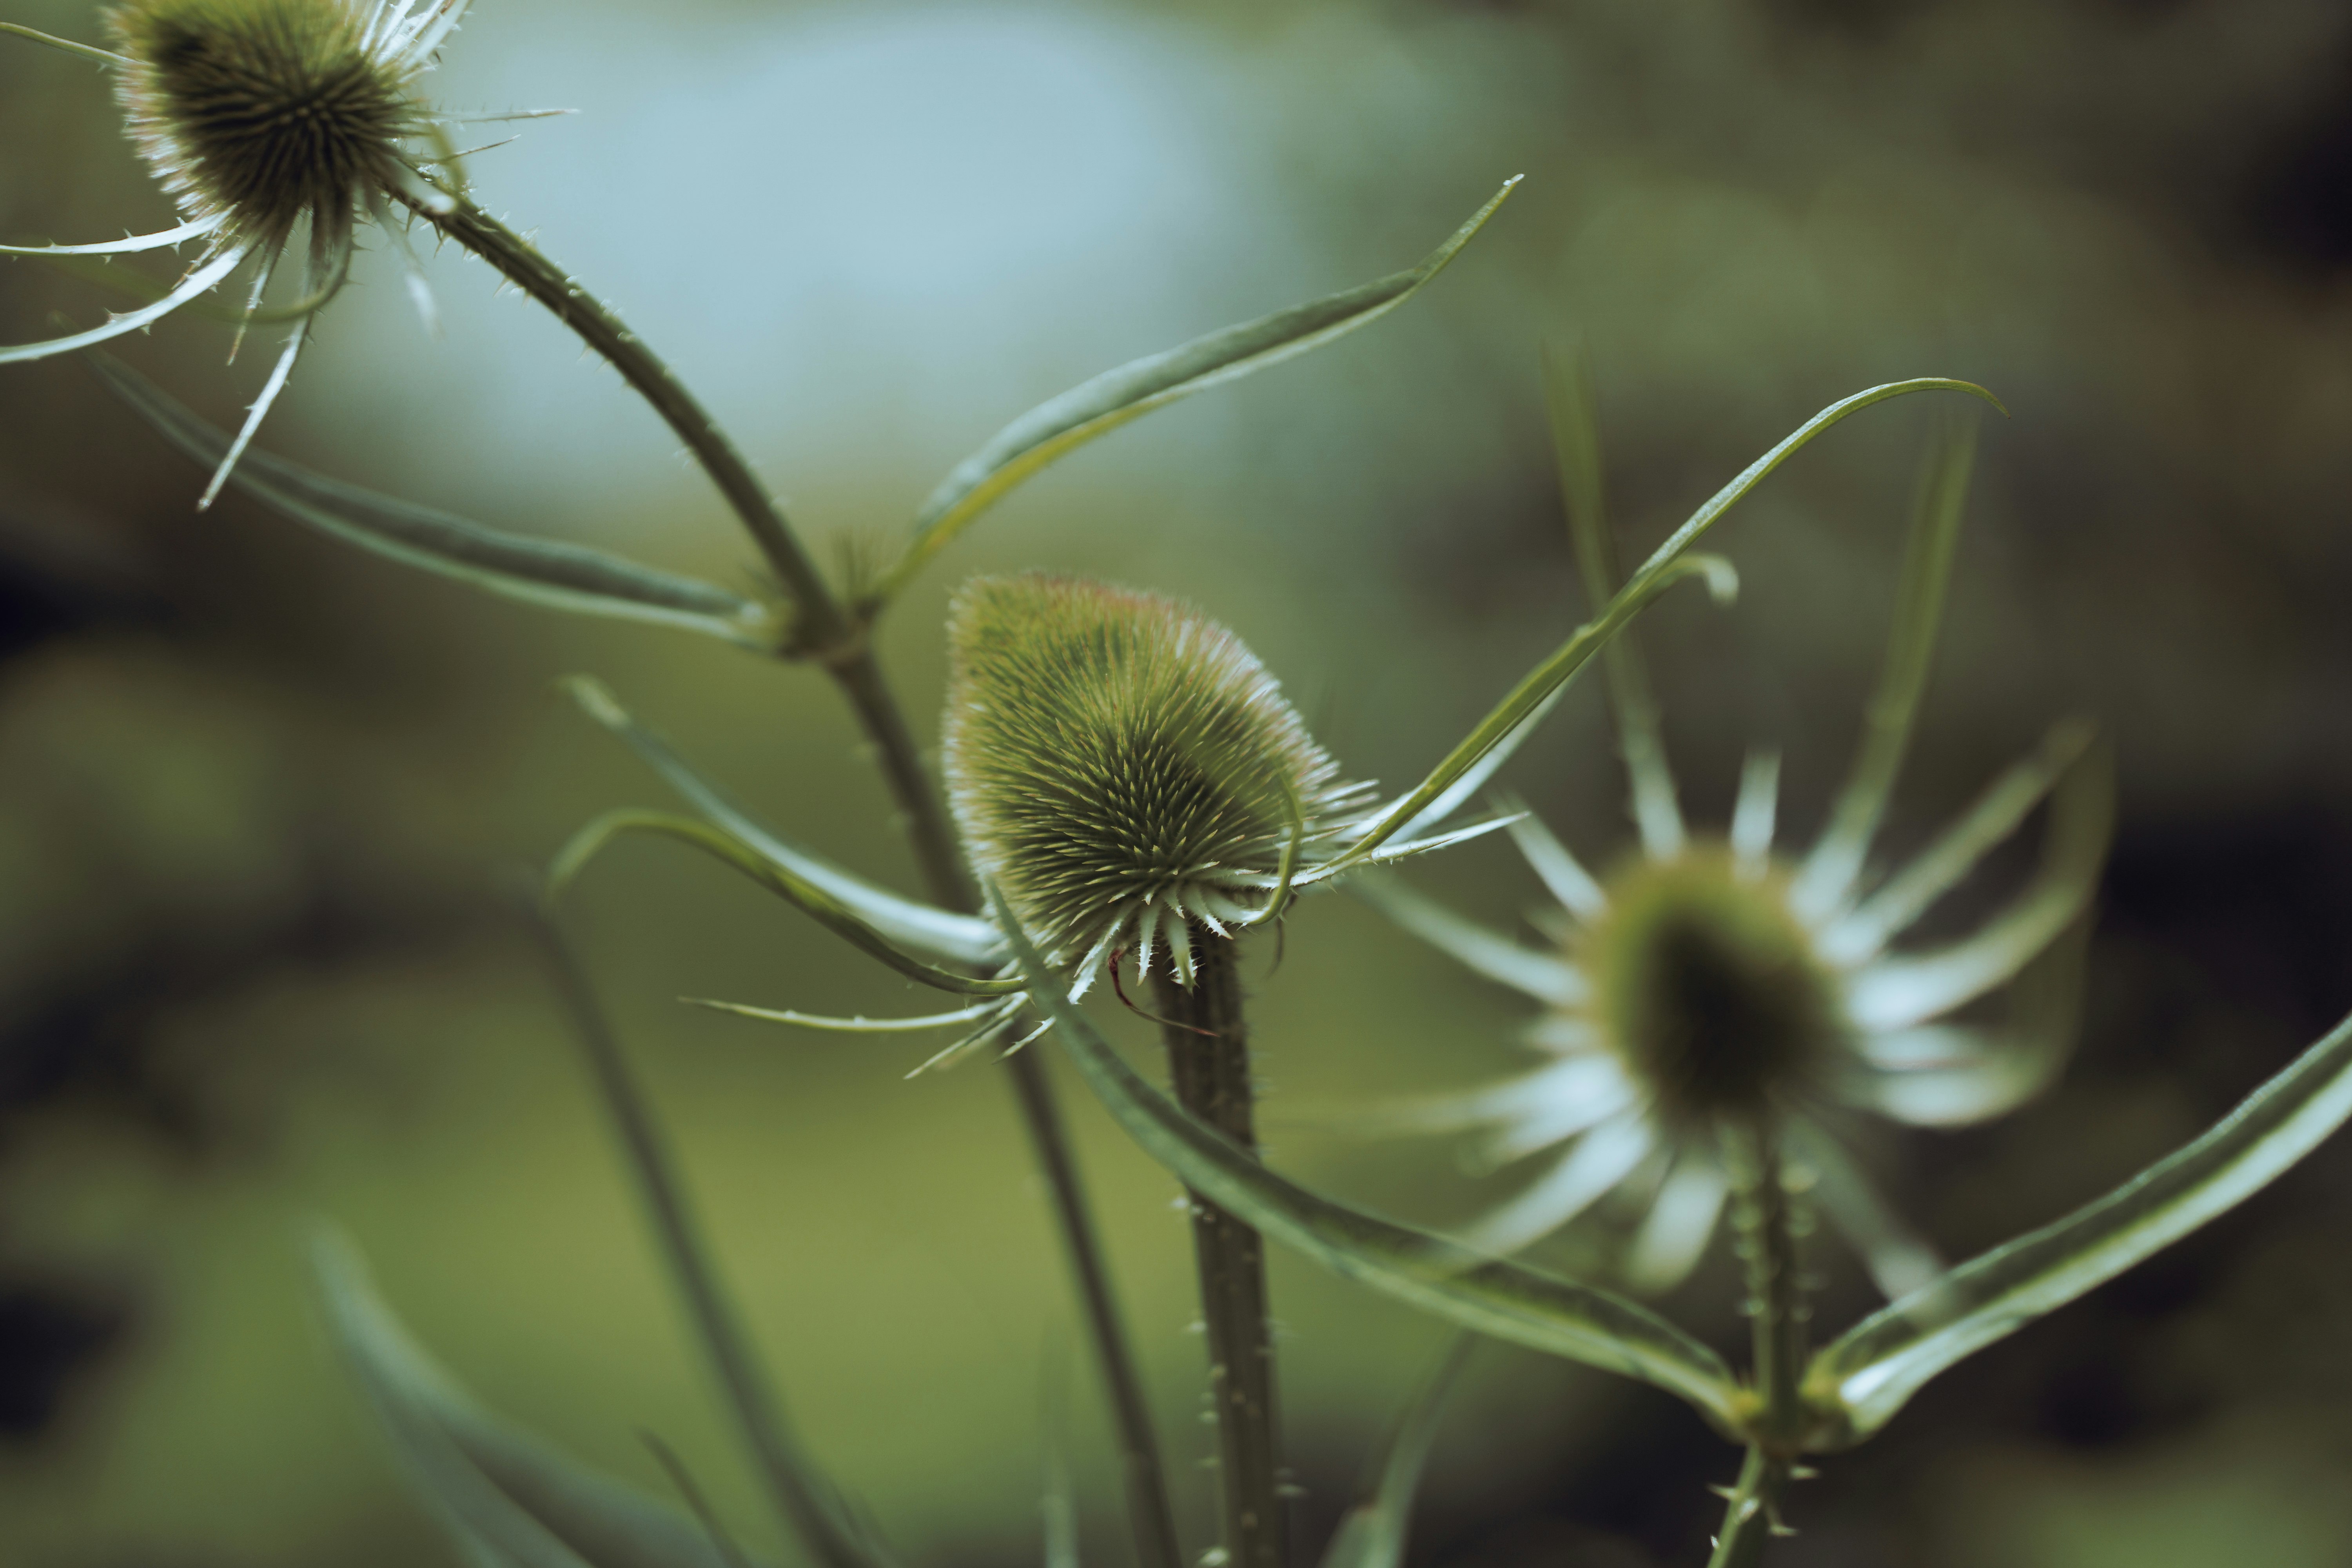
822 627
1776 1296
1750 1514
1777 1316
1209 1067
766 1426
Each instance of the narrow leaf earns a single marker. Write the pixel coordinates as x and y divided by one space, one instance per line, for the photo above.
543 572
510 1501
1748 477
1878 1365
1373 1533
933 932
1491 1295
1530 698
1064 423
812 900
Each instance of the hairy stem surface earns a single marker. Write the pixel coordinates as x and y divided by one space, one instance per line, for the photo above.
1209 1066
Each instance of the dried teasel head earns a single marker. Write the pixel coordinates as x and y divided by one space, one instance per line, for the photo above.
1124 770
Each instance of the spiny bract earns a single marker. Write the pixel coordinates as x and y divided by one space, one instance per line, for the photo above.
1122 768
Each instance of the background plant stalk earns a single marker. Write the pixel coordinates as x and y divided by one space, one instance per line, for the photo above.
1776 1302
823 630
1209 1067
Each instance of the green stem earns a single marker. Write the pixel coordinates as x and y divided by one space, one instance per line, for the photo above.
1778 1319
1776 1296
1209 1067
825 630
1750 1514
765 1426
820 626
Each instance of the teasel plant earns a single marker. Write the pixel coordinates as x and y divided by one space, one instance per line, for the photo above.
1720 1007
512 1500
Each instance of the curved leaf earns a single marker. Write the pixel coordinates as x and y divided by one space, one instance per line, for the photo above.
543 572
1491 1295
510 1501
936 932
1748 477
812 900
1530 700
1879 1364
1097 407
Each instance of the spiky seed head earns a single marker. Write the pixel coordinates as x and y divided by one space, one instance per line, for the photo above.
264 111
1707 988
1115 760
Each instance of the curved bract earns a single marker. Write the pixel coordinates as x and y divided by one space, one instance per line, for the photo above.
810 899
1874 1369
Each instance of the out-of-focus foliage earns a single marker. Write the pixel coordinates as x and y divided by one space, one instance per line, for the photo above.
252 787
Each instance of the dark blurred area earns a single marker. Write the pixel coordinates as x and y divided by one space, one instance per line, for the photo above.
255 789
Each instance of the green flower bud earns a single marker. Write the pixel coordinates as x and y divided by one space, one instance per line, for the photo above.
1123 768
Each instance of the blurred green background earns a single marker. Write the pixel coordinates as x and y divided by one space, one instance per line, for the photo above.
255 788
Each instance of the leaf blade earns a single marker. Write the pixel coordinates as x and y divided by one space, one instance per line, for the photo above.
548 572
1526 703
1493 1296
1875 1367
1096 407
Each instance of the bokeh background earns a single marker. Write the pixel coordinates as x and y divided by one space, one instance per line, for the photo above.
255 788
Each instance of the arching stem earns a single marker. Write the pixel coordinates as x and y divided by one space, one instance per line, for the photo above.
1209 1067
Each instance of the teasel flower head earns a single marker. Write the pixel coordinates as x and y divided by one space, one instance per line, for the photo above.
1128 773
276 126
1711 986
